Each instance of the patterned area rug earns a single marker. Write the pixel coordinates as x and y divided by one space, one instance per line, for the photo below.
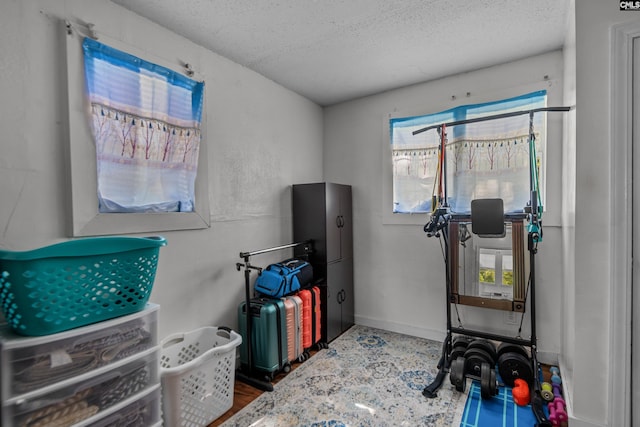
368 377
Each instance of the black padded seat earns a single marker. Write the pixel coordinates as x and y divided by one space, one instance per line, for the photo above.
487 217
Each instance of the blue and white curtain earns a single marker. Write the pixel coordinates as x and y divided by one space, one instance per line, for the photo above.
487 159
146 126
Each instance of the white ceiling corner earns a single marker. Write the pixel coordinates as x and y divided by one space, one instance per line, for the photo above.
332 51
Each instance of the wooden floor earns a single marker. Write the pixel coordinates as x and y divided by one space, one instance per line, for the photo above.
245 394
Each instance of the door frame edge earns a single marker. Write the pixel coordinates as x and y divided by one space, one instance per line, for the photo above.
621 240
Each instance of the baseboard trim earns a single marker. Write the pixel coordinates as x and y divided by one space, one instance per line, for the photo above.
575 422
567 387
401 328
547 358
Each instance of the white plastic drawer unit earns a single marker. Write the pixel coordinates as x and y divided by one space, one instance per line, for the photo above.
73 402
137 411
31 363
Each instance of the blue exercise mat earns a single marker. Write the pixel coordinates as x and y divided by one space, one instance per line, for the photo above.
498 411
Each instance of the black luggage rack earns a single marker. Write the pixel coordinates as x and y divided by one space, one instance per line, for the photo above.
249 375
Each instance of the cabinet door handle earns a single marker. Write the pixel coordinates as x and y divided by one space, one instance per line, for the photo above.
338 221
341 296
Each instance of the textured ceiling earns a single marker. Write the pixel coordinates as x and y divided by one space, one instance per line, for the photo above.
336 50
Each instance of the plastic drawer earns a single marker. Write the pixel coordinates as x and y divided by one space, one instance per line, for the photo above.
138 411
73 401
31 363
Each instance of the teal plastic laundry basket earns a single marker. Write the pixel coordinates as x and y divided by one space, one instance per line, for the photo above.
77 282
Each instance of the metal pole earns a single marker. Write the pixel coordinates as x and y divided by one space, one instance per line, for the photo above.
275 248
493 117
247 311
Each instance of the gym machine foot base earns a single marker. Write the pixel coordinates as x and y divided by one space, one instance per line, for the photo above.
431 391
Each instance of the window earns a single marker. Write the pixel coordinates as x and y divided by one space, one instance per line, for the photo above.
483 159
495 273
86 218
146 128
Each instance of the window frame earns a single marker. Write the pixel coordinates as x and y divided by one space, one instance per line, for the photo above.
85 218
552 152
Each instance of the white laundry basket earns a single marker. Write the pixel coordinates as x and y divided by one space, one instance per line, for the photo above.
198 371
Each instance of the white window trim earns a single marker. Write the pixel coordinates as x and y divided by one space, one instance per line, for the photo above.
552 152
85 218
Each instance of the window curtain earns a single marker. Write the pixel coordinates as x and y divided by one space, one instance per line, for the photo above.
145 121
488 159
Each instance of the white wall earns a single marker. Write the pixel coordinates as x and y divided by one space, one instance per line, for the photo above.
262 138
589 361
399 272
567 331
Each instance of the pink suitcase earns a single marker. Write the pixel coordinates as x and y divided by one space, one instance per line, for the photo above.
293 316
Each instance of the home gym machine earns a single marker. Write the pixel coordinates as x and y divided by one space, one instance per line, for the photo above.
472 353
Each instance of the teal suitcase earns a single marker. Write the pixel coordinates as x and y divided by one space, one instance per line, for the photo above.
268 337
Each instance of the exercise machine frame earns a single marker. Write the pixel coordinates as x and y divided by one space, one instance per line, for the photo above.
439 225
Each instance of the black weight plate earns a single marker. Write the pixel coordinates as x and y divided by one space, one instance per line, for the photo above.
461 340
511 348
488 383
457 374
474 359
512 366
494 382
487 346
458 350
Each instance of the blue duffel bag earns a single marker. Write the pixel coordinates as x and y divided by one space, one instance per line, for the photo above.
283 278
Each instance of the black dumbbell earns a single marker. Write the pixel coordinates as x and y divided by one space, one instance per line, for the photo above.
487 377
513 363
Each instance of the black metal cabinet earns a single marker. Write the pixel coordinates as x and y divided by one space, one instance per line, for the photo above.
339 297
322 212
